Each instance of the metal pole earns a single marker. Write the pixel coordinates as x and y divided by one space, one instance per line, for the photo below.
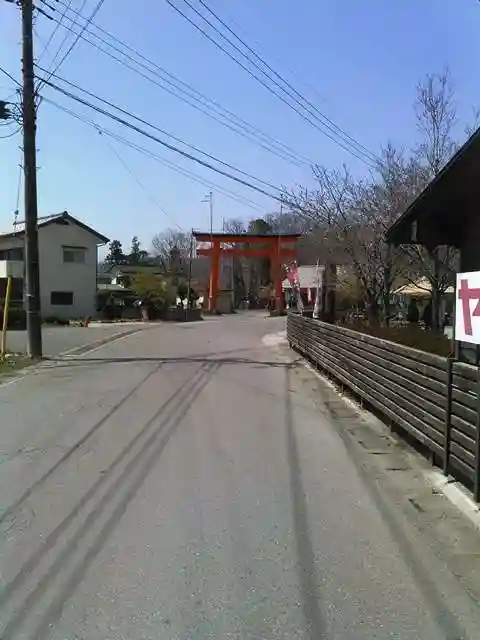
6 307
32 272
210 199
190 276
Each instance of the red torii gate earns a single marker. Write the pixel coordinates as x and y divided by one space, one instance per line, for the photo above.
274 250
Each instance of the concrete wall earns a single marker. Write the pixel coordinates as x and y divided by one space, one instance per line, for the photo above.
11 242
57 275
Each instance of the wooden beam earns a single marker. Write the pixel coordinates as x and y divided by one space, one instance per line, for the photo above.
246 239
250 253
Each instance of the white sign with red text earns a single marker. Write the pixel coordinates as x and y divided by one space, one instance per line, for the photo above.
467 307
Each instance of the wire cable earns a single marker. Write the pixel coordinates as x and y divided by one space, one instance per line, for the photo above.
159 129
286 82
140 184
236 128
54 31
363 158
206 105
64 40
96 9
10 135
165 144
9 75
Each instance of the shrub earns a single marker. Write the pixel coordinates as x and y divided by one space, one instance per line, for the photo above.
414 337
55 320
154 291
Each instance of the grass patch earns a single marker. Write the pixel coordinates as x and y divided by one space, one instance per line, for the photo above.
12 364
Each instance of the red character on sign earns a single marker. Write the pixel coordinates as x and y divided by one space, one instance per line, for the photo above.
465 294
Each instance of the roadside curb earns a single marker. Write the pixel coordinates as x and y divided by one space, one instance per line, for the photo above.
36 367
456 494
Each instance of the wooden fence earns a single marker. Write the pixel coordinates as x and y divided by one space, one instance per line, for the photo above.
434 399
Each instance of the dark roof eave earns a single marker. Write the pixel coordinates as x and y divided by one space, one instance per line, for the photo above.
394 233
103 239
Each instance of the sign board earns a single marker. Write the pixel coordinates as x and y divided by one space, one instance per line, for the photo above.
467 307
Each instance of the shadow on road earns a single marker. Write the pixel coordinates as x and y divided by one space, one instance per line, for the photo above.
201 358
164 426
314 620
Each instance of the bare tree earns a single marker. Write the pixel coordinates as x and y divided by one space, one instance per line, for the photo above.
347 220
436 112
237 226
163 243
234 225
339 211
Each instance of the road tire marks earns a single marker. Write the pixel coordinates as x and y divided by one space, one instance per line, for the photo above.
155 435
10 511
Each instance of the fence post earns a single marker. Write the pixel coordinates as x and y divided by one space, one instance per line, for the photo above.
476 489
304 337
448 416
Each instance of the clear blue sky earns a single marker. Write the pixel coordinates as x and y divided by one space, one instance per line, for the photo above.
361 61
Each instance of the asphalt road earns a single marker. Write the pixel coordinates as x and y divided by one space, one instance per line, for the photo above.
58 340
186 483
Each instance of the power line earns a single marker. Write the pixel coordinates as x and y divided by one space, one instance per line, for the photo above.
281 61
235 127
292 93
165 144
344 145
140 184
150 154
240 126
10 135
189 174
9 75
286 82
321 118
156 128
64 40
54 31
96 9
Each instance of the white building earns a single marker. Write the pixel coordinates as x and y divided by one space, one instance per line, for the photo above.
68 257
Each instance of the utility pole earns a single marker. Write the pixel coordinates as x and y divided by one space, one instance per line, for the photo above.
190 260
209 199
32 271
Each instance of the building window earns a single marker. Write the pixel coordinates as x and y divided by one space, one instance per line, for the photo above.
61 298
15 253
74 255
